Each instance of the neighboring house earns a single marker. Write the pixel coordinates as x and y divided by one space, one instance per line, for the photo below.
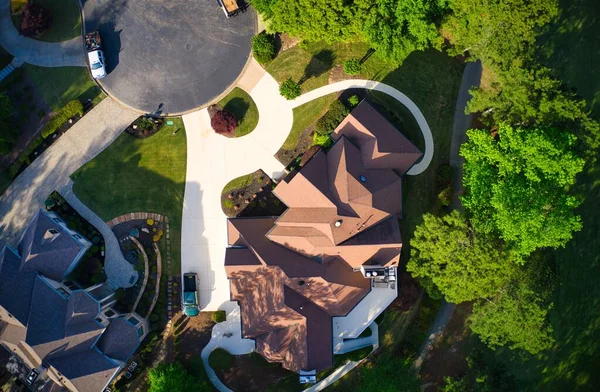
298 276
72 337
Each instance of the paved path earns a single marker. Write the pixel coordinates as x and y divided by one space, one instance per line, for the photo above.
228 336
50 171
213 161
43 54
119 272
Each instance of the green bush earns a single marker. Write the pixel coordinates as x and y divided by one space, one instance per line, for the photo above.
352 67
353 101
219 316
263 47
321 140
70 110
13 170
330 120
145 123
290 89
220 359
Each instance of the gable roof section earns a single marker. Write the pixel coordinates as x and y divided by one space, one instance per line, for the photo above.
50 257
89 370
120 339
16 286
382 145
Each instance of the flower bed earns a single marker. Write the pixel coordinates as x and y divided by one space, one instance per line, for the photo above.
144 126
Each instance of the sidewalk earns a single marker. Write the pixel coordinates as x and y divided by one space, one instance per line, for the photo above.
42 54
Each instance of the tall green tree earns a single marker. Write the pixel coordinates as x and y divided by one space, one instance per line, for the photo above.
500 32
448 255
398 27
173 377
517 185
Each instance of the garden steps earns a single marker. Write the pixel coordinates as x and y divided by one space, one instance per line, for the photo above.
14 64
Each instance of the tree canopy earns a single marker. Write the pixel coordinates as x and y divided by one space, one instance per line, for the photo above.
499 32
447 255
173 377
517 185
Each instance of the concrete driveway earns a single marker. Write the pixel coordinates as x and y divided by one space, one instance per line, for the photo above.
169 56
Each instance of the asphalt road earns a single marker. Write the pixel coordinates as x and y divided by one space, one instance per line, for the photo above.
169 56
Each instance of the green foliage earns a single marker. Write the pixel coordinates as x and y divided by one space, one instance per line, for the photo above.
498 32
352 67
388 374
144 122
482 377
263 47
517 186
516 316
173 377
449 256
397 28
321 140
353 100
330 120
290 89
530 97
8 133
70 110
219 316
220 359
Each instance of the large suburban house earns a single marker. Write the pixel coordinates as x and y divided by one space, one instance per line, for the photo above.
320 273
71 337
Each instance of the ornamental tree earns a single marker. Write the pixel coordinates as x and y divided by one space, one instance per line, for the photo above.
450 258
223 122
263 47
290 89
517 185
35 19
173 377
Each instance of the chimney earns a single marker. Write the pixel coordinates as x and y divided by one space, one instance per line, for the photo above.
50 235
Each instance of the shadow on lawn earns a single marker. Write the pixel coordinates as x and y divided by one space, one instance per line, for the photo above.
238 107
318 65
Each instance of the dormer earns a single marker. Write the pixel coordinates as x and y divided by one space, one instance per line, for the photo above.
50 235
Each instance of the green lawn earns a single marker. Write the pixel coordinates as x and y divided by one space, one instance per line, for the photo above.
243 108
58 86
304 116
66 19
135 175
572 49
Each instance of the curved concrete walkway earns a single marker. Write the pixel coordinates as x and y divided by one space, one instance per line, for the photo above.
43 54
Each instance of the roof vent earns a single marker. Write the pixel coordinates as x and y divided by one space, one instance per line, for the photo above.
301 283
50 235
363 179
338 223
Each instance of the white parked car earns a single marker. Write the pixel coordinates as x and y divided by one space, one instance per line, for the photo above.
97 64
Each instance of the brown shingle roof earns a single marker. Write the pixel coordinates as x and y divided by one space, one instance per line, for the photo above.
292 274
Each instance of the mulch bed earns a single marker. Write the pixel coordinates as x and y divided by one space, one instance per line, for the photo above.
256 199
251 373
144 127
304 143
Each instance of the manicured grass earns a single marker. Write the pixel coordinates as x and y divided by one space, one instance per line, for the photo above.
243 108
305 116
58 86
139 175
66 19
240 182
220 359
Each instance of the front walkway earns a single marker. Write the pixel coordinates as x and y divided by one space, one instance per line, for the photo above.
43 54
51 170
119 272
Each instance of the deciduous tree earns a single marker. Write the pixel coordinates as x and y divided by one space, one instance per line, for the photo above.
223 122
35 19
173 377
448 255
517 185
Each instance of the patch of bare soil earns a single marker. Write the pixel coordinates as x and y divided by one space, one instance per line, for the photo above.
304 143
336 74
449 358
189 335
288 42
251 373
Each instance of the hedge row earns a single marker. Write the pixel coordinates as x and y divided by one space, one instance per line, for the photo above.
23 159
330 120
70 110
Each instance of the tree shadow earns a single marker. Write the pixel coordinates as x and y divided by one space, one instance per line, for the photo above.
238 107
318 65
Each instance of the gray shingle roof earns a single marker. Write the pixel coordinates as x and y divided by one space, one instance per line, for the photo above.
89 370
120 339
50 257
16 288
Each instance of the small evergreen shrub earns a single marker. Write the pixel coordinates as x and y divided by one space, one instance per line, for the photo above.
70 110
352 67
223 122
353 101
263 47
290 89
330 120
219 316
321 140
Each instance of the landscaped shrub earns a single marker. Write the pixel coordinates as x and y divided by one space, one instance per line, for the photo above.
70 110
35 19
290 89
223 122
220 359
263 47
330 120
156 237
321 140
219 316
353 101
352 67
